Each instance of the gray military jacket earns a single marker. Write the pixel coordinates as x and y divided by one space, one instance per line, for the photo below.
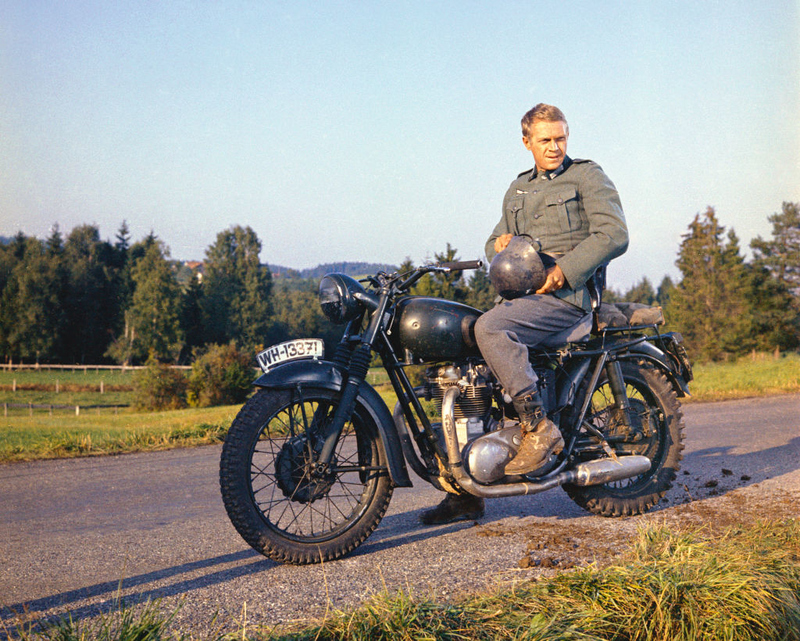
573 213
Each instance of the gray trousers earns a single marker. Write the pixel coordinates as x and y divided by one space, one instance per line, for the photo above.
505 332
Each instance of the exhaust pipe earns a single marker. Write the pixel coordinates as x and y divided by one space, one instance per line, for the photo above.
589 473
607 470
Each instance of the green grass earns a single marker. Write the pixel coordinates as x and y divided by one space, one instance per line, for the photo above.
75 387
743 585
25 438
68 377
761 375
740 584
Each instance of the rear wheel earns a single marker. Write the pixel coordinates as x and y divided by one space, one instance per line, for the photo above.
277 498
656 432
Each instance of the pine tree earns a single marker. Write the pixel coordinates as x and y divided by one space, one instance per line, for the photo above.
448 285
708 305
781 255
773 316
664 291
481 294
192 314
642 292
91 304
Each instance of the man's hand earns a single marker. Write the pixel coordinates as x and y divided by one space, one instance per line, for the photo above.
555 280
501 242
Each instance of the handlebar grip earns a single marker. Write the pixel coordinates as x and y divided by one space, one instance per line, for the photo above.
462 264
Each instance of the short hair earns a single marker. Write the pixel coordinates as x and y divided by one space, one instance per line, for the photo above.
547 113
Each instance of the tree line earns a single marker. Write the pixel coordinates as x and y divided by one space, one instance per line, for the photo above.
81 299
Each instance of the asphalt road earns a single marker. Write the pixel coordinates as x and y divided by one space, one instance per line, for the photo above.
76 535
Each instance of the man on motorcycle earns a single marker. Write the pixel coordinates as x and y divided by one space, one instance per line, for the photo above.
571 212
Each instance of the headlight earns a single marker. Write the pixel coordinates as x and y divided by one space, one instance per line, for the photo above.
336 297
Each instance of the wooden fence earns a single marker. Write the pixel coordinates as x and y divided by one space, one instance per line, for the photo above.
53 406
9 367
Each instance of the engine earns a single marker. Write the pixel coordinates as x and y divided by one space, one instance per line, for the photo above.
486 444
475 400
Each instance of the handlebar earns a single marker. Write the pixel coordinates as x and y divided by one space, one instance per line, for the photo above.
461 264
419 272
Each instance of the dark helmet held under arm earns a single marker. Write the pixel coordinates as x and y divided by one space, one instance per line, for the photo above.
518 269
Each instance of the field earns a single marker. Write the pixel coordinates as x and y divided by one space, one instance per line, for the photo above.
40 421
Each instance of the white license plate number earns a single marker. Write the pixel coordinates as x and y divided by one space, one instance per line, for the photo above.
289 351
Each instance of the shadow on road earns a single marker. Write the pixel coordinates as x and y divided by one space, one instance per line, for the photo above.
114 588
395 530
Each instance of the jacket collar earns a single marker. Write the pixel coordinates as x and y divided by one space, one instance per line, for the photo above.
549 175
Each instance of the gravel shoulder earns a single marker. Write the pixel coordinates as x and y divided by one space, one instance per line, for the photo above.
77 535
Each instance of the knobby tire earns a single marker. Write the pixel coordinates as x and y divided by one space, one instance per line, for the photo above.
655 405
274 501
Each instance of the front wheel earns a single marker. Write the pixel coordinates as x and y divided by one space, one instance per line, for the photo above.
278 499
655 431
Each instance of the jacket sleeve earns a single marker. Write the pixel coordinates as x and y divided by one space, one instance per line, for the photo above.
608 233
505 226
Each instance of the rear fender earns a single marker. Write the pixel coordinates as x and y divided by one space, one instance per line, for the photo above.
315 373
649 352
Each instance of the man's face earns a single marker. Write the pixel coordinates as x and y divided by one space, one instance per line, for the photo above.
548 144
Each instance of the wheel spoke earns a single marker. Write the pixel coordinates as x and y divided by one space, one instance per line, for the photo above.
298 511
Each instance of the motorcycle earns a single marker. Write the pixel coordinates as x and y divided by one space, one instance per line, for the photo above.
310 462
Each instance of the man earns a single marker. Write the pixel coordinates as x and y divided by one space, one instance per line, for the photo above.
571 211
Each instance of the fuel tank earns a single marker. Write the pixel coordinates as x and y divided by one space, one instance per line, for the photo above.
433 329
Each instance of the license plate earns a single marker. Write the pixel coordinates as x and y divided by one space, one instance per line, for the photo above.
289 351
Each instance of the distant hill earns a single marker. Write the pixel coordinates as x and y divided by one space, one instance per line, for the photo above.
351 269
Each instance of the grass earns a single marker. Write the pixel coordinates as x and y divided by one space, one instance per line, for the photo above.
740 584
25 438
74 387
758 375
147 623
743 585
41 435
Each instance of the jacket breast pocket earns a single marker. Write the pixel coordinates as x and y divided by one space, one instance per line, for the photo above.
513 212
564 203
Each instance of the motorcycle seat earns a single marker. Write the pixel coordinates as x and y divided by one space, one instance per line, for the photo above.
577 333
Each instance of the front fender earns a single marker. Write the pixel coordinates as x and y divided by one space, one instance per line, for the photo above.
316 373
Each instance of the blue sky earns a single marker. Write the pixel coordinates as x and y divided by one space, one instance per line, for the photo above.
380 131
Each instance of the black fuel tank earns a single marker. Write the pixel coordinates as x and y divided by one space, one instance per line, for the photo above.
433 329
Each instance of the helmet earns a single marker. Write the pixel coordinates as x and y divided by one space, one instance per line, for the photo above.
517 270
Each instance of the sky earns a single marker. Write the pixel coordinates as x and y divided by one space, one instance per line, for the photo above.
378 131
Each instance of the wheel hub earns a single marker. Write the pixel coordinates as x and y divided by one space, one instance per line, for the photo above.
295 472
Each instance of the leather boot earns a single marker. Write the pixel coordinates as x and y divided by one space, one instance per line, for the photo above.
454 507
540 437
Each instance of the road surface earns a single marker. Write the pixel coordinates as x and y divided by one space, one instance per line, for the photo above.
77 534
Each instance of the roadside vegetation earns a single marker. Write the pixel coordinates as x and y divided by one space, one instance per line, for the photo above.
739 584
750 376
64 435
41 433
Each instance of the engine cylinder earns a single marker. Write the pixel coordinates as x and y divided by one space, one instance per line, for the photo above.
475 399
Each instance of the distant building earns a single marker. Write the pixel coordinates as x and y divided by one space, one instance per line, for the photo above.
197 267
